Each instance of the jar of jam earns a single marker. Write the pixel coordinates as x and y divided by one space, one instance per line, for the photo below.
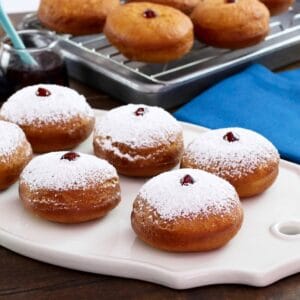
43 62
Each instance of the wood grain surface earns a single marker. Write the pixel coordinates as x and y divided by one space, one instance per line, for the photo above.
24 278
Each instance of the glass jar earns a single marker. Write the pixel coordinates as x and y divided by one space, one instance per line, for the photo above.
40 62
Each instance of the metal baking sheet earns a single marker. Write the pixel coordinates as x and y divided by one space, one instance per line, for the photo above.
93 60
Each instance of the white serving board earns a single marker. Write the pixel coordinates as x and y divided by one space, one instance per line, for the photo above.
256 256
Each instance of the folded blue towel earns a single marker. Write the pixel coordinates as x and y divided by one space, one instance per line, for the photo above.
256 99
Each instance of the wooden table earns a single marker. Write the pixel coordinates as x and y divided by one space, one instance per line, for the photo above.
24 278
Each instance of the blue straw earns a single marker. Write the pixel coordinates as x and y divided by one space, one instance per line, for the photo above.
14 37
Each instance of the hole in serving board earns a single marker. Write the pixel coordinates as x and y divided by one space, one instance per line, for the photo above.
287 229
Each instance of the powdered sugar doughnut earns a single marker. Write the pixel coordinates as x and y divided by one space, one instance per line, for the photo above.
69 187
243 157
139 140
53 117
186 210
15 153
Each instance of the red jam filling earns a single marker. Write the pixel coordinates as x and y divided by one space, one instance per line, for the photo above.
231 137
70 156
149 14
42 92
187 180
140 111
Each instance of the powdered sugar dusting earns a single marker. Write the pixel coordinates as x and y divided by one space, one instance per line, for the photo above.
107 144
122 125
49 171
231 159
208 194
11 137
25 107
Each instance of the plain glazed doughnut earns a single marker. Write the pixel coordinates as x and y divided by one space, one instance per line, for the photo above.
76 17
243 157
186 210
53 117
15 153
139 140
149 32
69 187
231 24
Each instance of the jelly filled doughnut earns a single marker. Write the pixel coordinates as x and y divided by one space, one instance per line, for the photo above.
149 32
231 23
76 17
53 117
185 6
277 6
243 157
69 187
139 140
15 153
186 210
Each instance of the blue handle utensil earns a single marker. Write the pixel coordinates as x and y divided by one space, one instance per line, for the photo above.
14 37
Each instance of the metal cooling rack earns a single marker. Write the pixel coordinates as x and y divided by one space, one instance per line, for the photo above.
94 61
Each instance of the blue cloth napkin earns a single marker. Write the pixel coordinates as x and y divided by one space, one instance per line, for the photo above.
256 99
